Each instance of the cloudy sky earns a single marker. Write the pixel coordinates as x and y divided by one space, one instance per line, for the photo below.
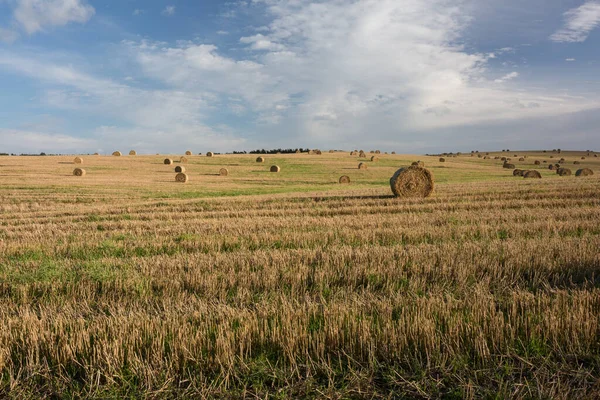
411 75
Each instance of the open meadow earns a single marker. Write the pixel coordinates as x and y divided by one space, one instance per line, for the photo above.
124 283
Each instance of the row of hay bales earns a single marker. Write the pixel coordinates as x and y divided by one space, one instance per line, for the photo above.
134 153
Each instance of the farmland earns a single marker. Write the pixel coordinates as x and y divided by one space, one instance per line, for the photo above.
125 283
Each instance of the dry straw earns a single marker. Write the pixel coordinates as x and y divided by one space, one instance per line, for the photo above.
117 154
78 160
132 153
181 177
79 172
260 159
533 174
275 168
362 166
344 179
223 172
188 153
168 161
584 172
209 154
413 181
179 169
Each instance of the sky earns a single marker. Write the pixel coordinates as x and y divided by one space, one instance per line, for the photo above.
412 76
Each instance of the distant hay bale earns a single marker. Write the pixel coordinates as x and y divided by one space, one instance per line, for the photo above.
377 151
344 179
576 162
132 153
167 161
486 158
209 154
508 166
372 151
362 155
537 162
199 154
374 158
117 154
79 172
78 160
352 153
181 177
318 152
551 167
223 172
183 160
362 166
442 159
545 162
275 168
563 171
413 181
583 158
179 168
297 151
584 172
393 152
518 172
479 156
533 174
188 153
331 151
385 152
521 159
503 159
496 157
418 164
260 159
311 152
487 154
595 155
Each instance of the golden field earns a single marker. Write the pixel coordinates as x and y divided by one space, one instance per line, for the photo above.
124 283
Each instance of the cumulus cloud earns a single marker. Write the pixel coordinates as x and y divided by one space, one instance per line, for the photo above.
169 11
37 15
20 141
579 22
507 77
8 35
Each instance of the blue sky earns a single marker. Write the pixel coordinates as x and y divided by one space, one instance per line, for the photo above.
410 76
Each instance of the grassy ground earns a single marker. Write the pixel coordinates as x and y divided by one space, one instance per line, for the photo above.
124 283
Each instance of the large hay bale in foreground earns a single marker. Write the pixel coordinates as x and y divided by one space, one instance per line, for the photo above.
167 161
209 154
179 169
117 154
79 172
132 153
442 159
374 158
181 177
563 171
418 164
78 160
518 172
533 174
362 166
183 160
584 172
260 159
413 181
344 179
275 168
188 153
223 172
508 166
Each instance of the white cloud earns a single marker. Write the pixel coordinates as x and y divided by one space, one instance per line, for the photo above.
8 35
222 33
37 15
579 22
507 77
569 59
19 141
260 42
137 12
168 11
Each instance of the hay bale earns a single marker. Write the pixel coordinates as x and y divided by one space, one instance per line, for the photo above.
377 151
595 155
179 169
188 153
117 154
352 153
79 172
132 153
584 172
576 162
393 152
551 167
362 155
508 166
297 151
537 162
486 158
318 152
181 177
563 171
223 172
209 154
275 168
374 158
521 159
78 160
331 151
167 161
183 160
260 159
518 172
418 164
583 158
503 159
96 154
533 174
413 181
362 166
479 156
442 159
344 179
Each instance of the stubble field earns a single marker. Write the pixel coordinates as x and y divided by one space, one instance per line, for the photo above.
125 283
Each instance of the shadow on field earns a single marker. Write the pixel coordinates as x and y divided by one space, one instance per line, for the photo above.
66 162
353 197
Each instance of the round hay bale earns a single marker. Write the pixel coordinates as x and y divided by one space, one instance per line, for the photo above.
537 162
117 154
486 158
181 177
260 159
393 152
179 168
275 168
595 155
331 151
362 166
374 158
442 159
584 172
521 159
96 154
487 154
183 160
297 151
362 155
479 156
413 181
377 151
551 167
503 159
188 153
79 172
563 171
583 158
352 153
223 172
576 162
132 153
533 174
344 179
78 160
545 162
318 152
418 164
199 154
508 166
167 161
209 154
518 172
